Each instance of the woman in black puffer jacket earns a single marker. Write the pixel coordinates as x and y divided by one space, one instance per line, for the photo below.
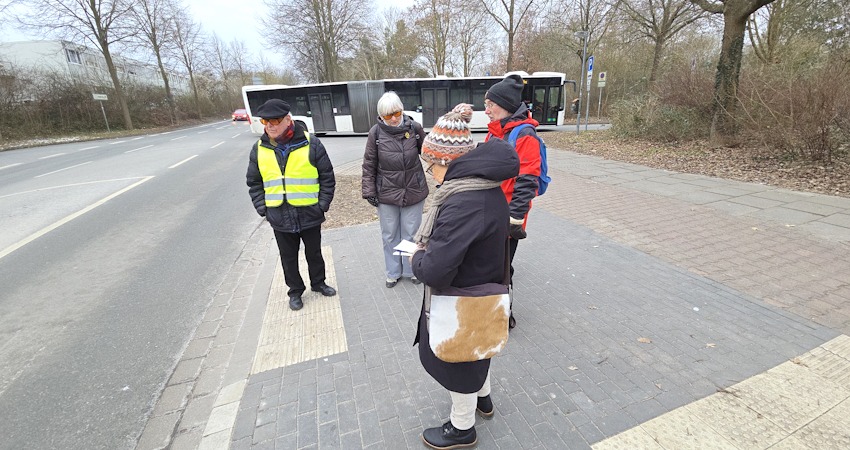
393 180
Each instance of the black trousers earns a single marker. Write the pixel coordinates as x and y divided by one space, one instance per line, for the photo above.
289 244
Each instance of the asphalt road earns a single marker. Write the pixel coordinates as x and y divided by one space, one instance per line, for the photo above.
110 253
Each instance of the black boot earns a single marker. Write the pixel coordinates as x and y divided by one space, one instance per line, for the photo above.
447 436
485 407
295 302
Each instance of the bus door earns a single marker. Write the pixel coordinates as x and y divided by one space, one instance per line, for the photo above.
546 104
321 108
435 103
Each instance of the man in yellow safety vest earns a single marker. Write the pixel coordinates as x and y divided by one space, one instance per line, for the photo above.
291 182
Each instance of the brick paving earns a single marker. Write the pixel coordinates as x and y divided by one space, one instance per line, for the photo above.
637 292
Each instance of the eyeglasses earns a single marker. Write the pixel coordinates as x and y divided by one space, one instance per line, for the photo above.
391 115
488 104
276 121
430 169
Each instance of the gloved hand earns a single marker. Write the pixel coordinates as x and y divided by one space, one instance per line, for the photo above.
517 232
373 201
261 211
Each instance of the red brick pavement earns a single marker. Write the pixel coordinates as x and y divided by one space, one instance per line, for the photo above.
781 265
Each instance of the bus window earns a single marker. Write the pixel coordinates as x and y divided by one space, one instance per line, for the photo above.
340 99
458 93
479 89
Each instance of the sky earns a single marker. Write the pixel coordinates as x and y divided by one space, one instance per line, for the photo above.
229 19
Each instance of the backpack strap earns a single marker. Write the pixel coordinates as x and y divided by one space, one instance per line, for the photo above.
512 137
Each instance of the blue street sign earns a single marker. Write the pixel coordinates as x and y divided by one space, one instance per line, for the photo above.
590 64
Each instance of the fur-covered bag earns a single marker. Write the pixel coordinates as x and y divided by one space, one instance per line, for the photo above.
467 324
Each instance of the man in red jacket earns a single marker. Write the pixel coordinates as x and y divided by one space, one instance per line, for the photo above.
504 106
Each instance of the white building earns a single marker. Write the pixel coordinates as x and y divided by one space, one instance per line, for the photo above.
85 64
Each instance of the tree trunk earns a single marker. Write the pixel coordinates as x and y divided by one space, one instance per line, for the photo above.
726 79
116 82
656 60
168 95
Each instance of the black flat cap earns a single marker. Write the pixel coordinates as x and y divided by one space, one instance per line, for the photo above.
272 109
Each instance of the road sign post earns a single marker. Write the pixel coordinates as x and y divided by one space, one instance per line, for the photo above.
600 84
100 98
589 79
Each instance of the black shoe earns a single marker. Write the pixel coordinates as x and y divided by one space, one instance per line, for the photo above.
485 407
325 290
511 322
415 280
447 436
391 283
295 302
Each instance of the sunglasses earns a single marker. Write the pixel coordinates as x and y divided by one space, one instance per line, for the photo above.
272 121
391 115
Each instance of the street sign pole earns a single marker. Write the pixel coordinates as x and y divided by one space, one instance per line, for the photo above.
589 78
600 84
583 35
100 98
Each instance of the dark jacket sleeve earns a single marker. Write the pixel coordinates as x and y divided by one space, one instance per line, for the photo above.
368 187
327 182
525 186
452 235
254 180
420 135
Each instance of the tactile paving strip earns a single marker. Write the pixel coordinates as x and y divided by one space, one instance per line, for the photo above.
803 403
315 331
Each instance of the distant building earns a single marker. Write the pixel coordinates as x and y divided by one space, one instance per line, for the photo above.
85 64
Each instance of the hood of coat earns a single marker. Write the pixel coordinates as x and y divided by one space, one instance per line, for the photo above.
493 160
406 125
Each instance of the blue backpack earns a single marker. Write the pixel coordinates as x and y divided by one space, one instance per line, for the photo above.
542 180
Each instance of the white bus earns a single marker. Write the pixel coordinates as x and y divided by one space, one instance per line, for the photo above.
350 106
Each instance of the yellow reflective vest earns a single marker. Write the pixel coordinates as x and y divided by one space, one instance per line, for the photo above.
299 182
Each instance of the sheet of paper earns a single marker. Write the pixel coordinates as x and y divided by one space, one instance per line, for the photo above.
405 248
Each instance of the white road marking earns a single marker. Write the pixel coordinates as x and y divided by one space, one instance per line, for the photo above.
203 131
10 165
216 145
181 162
67 219
181 137
69 185
117 142
221 128
88 148
136 138
235 135
51 156
140 148
71 167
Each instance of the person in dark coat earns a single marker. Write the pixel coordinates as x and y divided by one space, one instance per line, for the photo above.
394 182
462 243
291 182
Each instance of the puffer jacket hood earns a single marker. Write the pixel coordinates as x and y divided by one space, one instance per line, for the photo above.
492 160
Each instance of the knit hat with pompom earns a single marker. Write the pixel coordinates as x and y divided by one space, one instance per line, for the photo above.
448 140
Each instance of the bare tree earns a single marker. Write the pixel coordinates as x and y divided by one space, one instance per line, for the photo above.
319 32
100 22
659 21
433 25
770 28
188 48
471 35
239 57
154 20
735 14
509 14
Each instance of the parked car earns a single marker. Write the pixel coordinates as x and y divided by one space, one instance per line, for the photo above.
240 114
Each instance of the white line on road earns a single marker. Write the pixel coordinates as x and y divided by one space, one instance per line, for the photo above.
136 138
51 156
67 219
10 165
221 128
69 185
117 142
181 162
181 137
216 145
235 135
140 148
50 173
204 131
88 148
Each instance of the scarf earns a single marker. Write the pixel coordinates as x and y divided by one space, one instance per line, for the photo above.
445 191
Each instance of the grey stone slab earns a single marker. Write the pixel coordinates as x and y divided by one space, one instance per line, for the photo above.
755 201
814 208
308 429
785 215
838 202
700 197
732 207
729 190
841 220
785 195
653 188
828 231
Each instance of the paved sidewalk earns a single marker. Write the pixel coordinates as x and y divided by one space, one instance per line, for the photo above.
655 310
